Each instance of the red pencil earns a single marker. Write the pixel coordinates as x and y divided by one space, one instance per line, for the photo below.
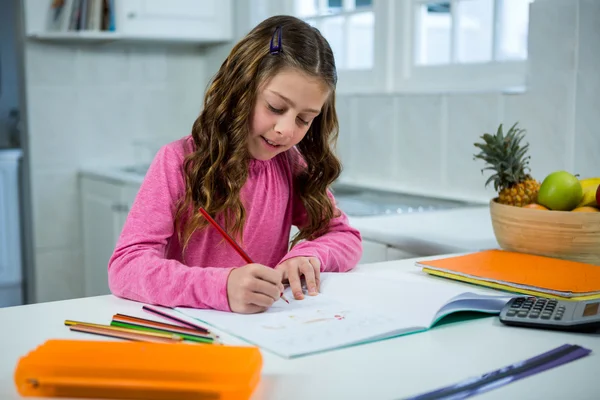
232 242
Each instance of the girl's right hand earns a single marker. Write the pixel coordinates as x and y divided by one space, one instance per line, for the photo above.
253 288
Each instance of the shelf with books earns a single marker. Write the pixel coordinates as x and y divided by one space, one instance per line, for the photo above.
177 21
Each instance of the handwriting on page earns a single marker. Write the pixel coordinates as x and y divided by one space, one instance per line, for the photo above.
313 324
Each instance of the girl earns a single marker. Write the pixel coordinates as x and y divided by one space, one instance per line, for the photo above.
258 160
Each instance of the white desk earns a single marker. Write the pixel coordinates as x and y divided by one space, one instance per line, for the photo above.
390 369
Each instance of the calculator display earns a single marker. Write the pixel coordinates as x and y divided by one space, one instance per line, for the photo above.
591 309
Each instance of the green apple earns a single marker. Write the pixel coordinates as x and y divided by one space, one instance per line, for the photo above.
560 191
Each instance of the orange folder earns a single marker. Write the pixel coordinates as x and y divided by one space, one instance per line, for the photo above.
520 272
138 370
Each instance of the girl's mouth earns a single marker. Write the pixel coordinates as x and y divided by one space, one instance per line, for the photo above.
270 143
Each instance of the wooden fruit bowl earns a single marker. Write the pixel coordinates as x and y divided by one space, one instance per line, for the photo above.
559 234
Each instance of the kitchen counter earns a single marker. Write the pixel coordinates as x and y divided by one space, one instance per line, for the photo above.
124 174
434 232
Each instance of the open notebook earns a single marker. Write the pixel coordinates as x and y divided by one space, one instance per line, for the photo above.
521 273
352 308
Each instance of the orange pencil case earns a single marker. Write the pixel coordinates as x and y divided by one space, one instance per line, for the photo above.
138 370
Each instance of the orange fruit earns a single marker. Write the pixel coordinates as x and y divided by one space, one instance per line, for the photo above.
586 209
535 206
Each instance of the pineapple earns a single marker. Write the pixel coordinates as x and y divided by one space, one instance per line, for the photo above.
505 156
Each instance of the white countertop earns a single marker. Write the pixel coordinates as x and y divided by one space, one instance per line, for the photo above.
389 369
432 232
113 173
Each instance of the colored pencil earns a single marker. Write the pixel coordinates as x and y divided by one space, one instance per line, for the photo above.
232 242
172 317
138 337
159 325
192 338
137 332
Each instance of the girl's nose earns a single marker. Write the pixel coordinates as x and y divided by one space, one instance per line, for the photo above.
285 127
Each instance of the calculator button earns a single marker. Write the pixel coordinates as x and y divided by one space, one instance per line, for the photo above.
534 315
522 314
515 305
546 315
558 317
511 313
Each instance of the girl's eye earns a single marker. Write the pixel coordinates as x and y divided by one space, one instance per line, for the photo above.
275 110
303 122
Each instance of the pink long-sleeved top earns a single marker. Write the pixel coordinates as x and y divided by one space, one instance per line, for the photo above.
147 263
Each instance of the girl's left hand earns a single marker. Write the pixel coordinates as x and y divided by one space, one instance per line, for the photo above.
309 267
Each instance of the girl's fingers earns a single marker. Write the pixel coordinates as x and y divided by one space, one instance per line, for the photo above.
295 284
259 299
265 273
267 288
309 276
316 264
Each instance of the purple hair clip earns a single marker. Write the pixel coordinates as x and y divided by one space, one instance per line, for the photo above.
275 49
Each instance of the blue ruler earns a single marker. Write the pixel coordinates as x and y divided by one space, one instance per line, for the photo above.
522 369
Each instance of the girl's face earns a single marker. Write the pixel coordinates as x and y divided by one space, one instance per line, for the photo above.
285 107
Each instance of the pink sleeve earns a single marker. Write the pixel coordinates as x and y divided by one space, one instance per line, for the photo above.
339 250
138 269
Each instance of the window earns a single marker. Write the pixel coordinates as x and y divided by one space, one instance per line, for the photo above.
463 45
423 45
470 31
348 25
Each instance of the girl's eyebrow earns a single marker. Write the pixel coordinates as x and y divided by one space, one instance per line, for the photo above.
291 103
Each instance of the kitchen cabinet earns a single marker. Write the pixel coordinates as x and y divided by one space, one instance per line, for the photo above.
394 253
105 204
378 252
373 252
175 19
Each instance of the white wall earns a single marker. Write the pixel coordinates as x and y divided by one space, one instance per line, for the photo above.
424 143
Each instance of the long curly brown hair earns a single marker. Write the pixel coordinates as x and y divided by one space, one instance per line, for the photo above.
218 168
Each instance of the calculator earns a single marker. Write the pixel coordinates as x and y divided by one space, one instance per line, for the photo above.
543 313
